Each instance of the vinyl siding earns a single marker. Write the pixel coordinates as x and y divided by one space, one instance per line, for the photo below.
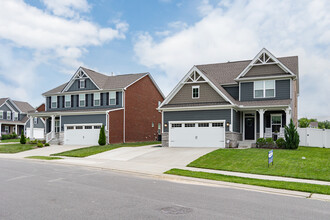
89 85
233 91
206 94
265 70
221 114
39 124
82 119
12 106
282 90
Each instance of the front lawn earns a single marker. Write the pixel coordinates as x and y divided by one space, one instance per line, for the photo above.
15 148
304 187
88 151
288 163
9 140
44 158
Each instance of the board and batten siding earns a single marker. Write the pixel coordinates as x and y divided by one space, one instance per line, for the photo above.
89 85
233 91
83 119
265 70
206 94
282 90
221 114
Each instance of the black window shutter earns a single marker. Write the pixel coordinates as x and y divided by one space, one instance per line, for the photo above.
77 100
78 83
107 97
86 100
117 98
92 99
58 102
72 101
63 101
101 97
49 102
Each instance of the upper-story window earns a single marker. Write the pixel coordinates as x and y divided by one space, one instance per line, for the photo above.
8 115
195 92
1 114
97 99
35 121
82 83
15 116
264 89
81 100
112 98
67 101
54 101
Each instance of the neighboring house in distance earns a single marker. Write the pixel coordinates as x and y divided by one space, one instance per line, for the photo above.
218 105
314 124
13 117
125 104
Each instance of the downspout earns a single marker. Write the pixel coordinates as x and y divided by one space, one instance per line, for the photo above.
107 124
124 126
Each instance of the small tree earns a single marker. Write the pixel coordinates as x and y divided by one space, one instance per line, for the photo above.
291 136
102 140
23 139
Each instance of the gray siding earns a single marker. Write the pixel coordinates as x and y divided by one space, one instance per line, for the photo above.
282 90
233 91
82 119
89 101
12 106
89 85
221 114
265 70
39 124
206 94
236 121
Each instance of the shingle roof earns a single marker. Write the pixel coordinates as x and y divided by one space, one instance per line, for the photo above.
23 106
104 82
2 100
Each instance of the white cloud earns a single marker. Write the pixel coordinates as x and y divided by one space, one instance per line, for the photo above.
235 30
67 8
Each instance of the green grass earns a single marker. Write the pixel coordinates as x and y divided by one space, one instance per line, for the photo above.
9 140
44 158
15 148
304 187
288 163
88 151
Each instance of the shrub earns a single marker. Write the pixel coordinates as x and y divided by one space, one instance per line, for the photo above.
33 142
280 143
13 135
261 142
47 144
5 137
269 141
40 144
291 136
23 139
102 140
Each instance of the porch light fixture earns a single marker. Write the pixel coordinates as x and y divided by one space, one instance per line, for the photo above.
228 124
165 125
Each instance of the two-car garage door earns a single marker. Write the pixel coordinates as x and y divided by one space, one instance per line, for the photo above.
81 134
197 134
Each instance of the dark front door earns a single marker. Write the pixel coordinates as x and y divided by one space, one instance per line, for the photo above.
249 128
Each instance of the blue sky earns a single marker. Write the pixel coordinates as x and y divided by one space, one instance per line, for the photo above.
43 42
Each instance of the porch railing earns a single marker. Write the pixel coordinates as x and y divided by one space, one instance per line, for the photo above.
49 136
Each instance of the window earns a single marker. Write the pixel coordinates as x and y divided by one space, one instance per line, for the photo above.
79 127
82 83
81 100
67 101
54 101
88 127
176 125
112 98
276 122
8 115
195 92
152 124
203 124
70 128
7 129
264 89
217 124
189 125
1 114
97 127
15 116
97 99
35 121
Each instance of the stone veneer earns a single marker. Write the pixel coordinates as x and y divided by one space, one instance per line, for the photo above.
232 139
165 139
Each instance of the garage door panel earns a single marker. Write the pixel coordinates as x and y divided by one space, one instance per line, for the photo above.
38 133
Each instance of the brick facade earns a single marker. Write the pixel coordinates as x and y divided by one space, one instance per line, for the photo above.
141 115
116 126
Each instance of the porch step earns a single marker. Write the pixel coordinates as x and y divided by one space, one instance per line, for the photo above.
58 140
246 144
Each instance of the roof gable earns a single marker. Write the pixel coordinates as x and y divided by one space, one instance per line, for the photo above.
16 106
81 74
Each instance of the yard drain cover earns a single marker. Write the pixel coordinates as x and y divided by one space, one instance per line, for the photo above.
176 210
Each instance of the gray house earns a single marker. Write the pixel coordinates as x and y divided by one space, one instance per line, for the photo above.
226 104
13 118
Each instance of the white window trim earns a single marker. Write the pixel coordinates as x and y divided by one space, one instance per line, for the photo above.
35 120
271 121
264 90
99 99
84 99
65 101
1 114
192 92
112 92
9 115
82 80
6 129
53 101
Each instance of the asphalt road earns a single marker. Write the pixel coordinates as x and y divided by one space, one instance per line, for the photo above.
40 190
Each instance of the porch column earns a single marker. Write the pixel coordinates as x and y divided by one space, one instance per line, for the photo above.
0 130
288 116
31 128
16 129
261 120
53 126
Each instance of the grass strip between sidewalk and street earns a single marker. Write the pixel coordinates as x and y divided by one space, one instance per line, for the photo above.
44 158
15 148
88 151
303 187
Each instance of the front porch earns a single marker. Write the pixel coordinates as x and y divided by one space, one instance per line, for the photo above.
7 128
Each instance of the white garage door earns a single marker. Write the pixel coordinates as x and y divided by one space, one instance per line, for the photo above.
81 134
197 134
38 133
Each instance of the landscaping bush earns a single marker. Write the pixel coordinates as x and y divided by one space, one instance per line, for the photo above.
280 143
40 144
102 140
269 141
23 139
261 142
5 137
13 135
33 142
291 136
47 145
